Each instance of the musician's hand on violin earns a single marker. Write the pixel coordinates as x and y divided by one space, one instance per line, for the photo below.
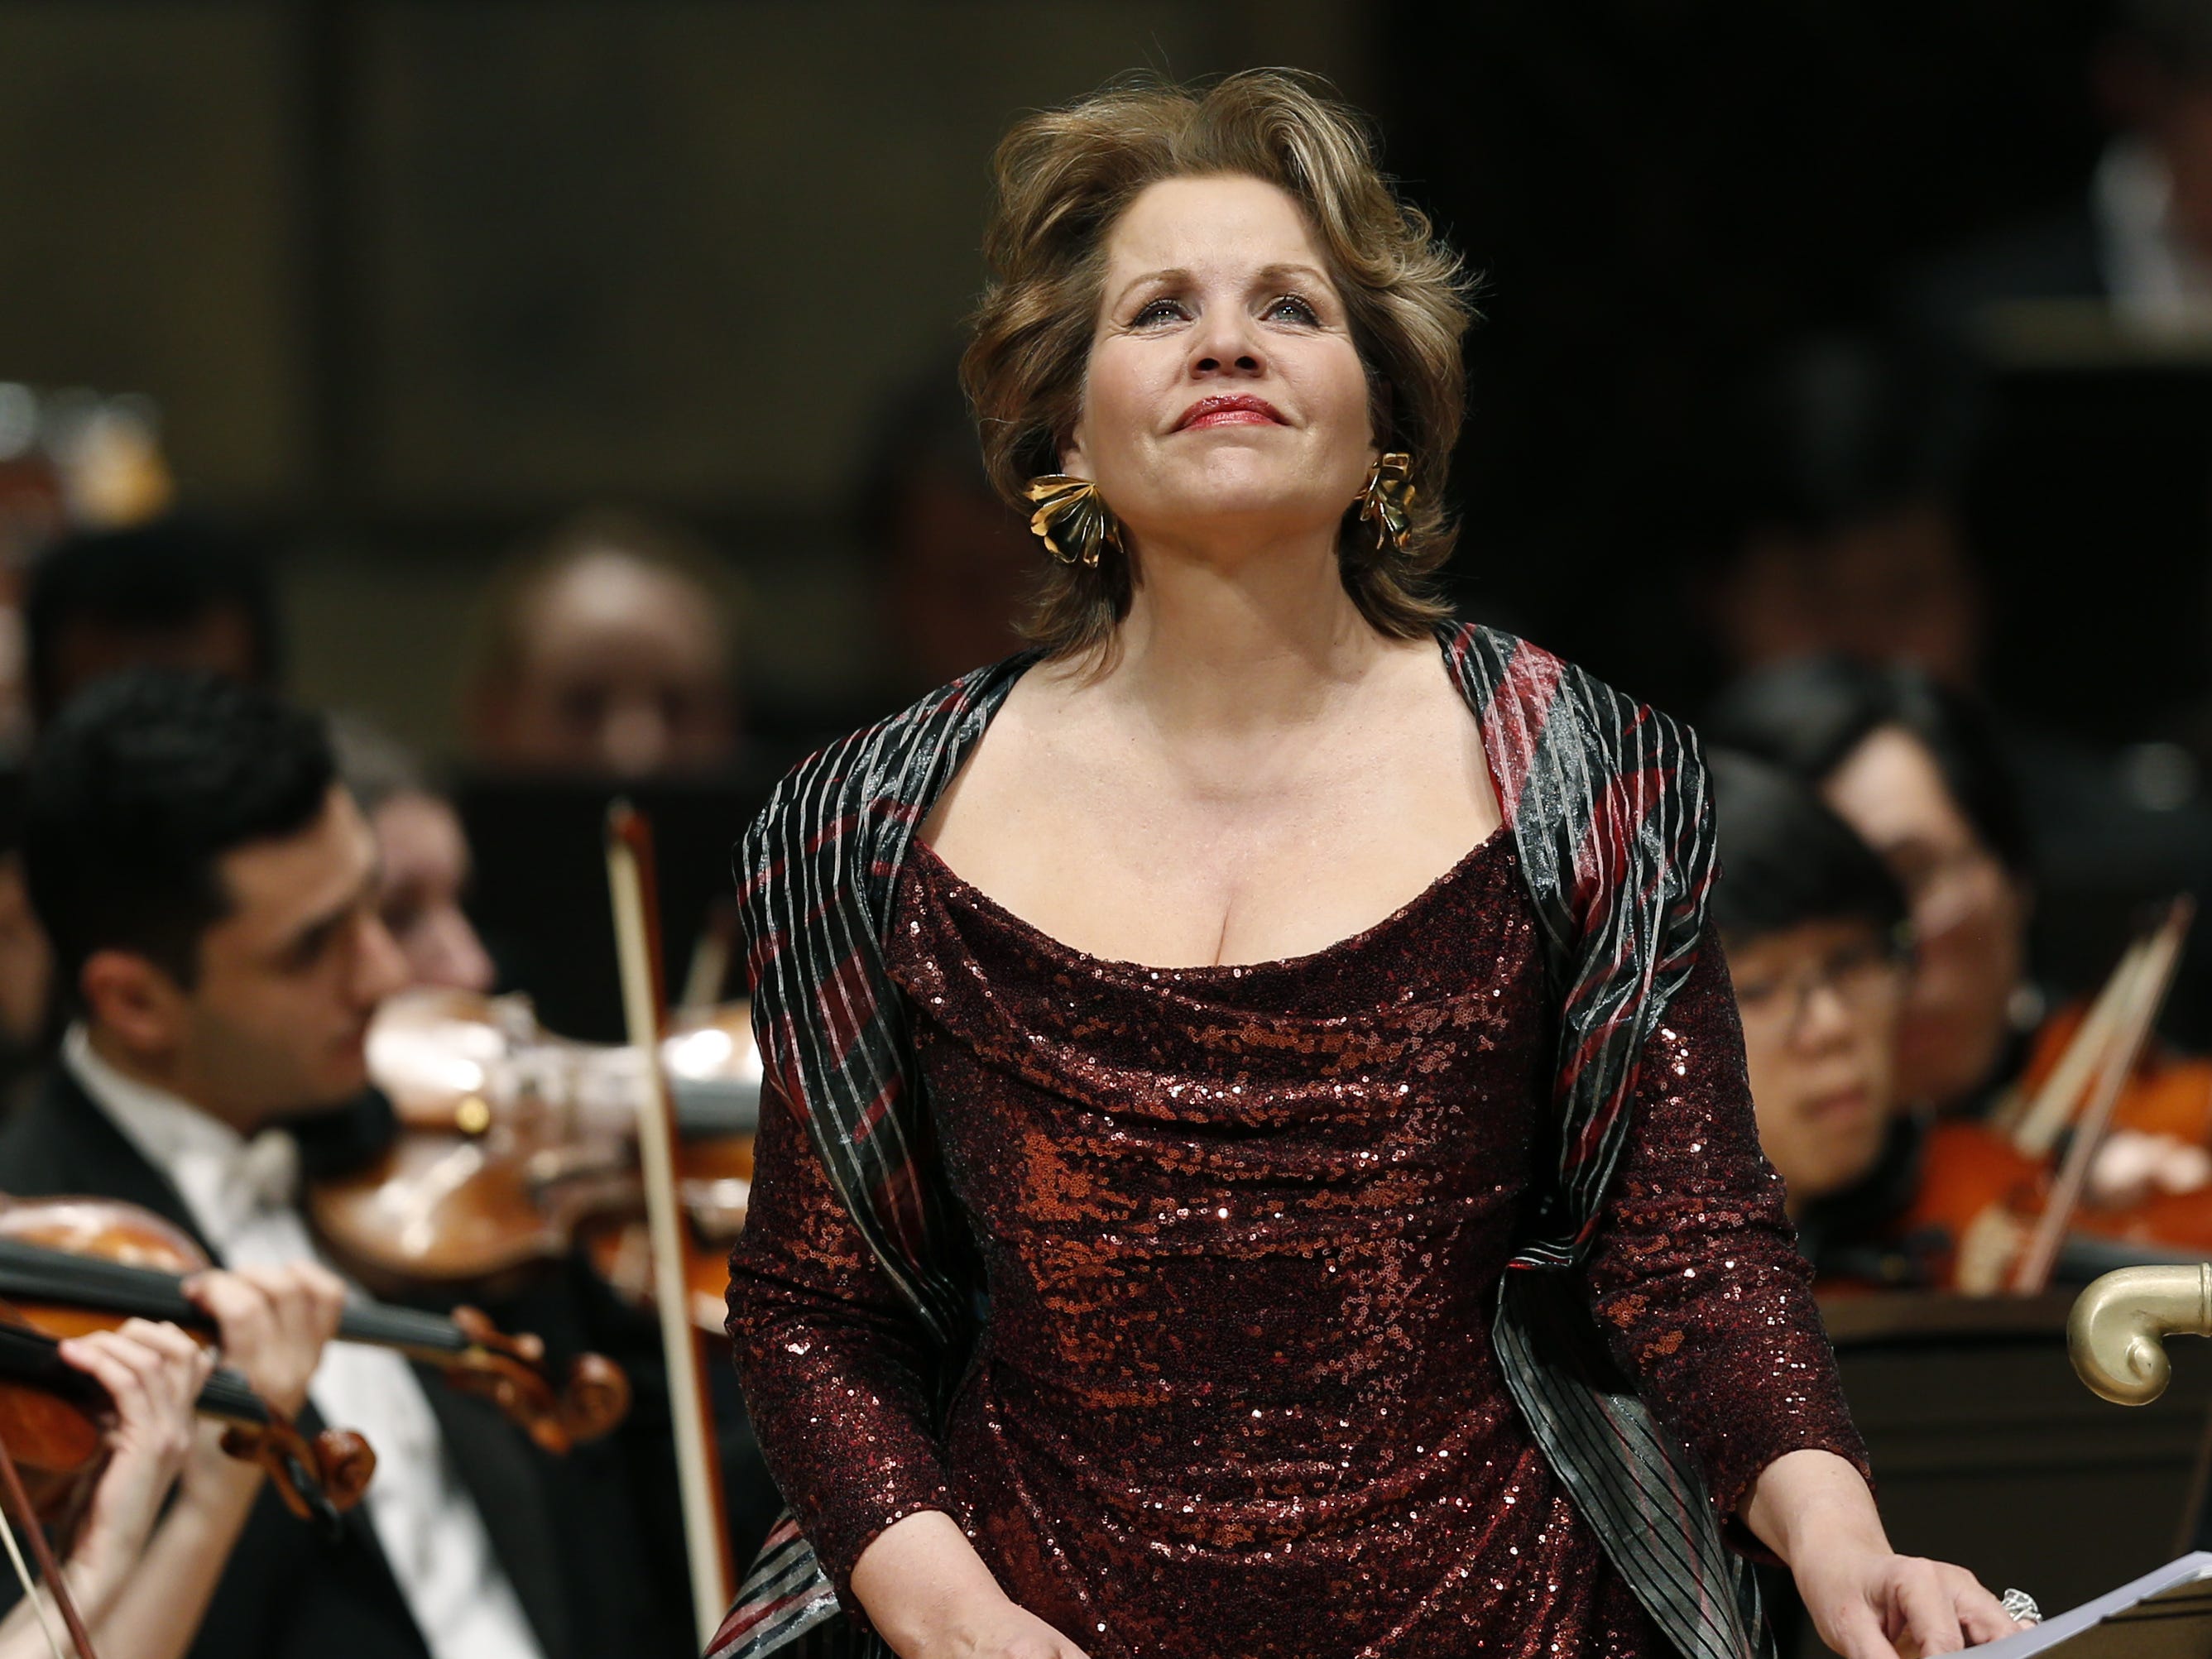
1813 1509
2130 1167
274 1322
154 1373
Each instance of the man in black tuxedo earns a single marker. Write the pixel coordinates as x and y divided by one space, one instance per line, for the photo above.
209 887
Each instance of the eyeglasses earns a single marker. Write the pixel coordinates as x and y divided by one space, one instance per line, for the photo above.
1866 978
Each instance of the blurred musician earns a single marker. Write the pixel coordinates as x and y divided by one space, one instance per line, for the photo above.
1845 468
142 1568
607 654
1917 770
423 859
1814 927
177 591
180 592
211 889
2136 248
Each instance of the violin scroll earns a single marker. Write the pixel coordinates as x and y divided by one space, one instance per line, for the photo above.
2117 1330
597 1398
319 1479
510 1372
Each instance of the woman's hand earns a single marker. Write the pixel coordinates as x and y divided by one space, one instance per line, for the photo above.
1874 1604
1866 1600
929 1594
154 1374
274 1322
1006 1632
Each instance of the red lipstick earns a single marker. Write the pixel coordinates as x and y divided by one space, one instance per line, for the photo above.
1242 410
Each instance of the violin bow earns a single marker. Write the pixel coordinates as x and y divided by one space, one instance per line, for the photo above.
699 1470
2053 1107
25 1519
709 969
2132 1030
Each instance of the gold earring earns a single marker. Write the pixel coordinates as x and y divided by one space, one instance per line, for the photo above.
1071 520
1387 502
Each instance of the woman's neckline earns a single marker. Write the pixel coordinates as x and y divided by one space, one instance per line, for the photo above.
984 902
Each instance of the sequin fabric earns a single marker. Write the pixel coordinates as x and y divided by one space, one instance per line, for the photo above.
1241 1228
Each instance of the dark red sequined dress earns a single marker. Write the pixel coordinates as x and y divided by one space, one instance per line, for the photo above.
1242 1229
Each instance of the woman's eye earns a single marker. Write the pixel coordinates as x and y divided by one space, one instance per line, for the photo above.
1158 311
1294 308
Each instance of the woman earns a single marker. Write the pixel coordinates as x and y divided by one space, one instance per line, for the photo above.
1815 932
144 1564
1224 1067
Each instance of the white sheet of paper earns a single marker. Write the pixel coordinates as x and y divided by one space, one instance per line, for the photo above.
2054 1629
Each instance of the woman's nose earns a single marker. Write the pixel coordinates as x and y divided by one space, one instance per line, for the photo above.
1227 345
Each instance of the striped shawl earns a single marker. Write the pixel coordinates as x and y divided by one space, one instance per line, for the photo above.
1608 809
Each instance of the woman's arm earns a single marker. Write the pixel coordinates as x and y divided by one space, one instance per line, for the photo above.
1697 1283
1695 1277
1813 1511
834 1369
930 1595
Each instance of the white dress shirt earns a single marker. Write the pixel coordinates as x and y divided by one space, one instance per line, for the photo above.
243 1196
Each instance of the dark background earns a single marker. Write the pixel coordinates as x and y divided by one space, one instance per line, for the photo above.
1661 195
408 280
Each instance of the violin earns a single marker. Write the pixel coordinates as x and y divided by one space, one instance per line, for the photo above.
54 1420
73 1265
53 1451
2000 1194
515 1146
50 1411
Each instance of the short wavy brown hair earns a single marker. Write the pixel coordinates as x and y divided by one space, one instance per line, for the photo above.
1065 176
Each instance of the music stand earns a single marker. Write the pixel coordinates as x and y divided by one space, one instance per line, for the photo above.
540 893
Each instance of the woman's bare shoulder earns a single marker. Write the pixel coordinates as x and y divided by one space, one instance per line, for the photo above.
1014 763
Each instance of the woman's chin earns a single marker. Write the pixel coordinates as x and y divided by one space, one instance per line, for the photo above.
1243 509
